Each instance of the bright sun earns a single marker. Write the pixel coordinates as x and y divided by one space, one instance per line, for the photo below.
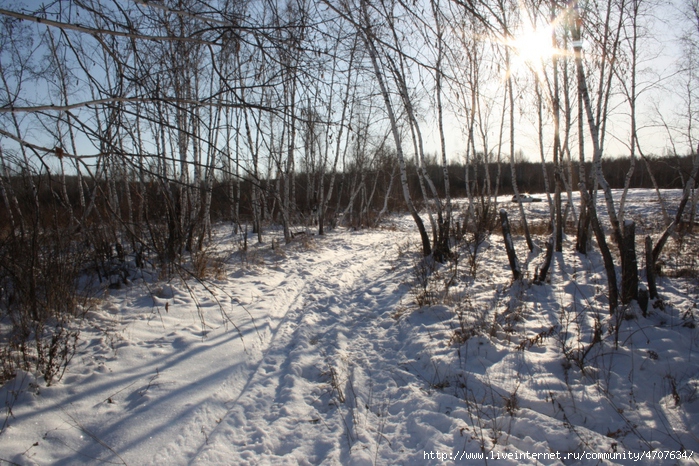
531 46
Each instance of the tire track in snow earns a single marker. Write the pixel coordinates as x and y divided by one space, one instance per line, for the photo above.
312 376
280 298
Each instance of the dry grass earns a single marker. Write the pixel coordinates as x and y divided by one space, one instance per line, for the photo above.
206 265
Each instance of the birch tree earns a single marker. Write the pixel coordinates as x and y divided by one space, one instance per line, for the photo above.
366 30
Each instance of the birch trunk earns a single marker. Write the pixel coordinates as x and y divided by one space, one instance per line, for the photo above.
510 90
368 39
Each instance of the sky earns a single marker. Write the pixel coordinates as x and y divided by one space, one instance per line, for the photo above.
659 60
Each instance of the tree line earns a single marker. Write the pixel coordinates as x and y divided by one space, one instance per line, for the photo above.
354 204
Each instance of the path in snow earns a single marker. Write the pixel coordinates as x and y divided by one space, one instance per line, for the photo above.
320 376
318 388
148 386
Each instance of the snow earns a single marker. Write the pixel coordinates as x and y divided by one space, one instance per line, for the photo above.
317 353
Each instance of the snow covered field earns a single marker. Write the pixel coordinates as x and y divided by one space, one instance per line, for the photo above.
317 353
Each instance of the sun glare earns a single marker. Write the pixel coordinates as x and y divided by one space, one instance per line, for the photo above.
531 46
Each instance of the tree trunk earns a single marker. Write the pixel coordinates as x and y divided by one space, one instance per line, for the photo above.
442 246
510 84
650 269
368 39
509 245
629 264
543 272
604 249
384 209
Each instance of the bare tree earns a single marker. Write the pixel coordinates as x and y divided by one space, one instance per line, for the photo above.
360 18
587 202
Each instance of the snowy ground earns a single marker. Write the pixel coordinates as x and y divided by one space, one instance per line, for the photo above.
317 353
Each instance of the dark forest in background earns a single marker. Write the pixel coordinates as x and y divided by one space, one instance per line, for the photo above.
360 193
